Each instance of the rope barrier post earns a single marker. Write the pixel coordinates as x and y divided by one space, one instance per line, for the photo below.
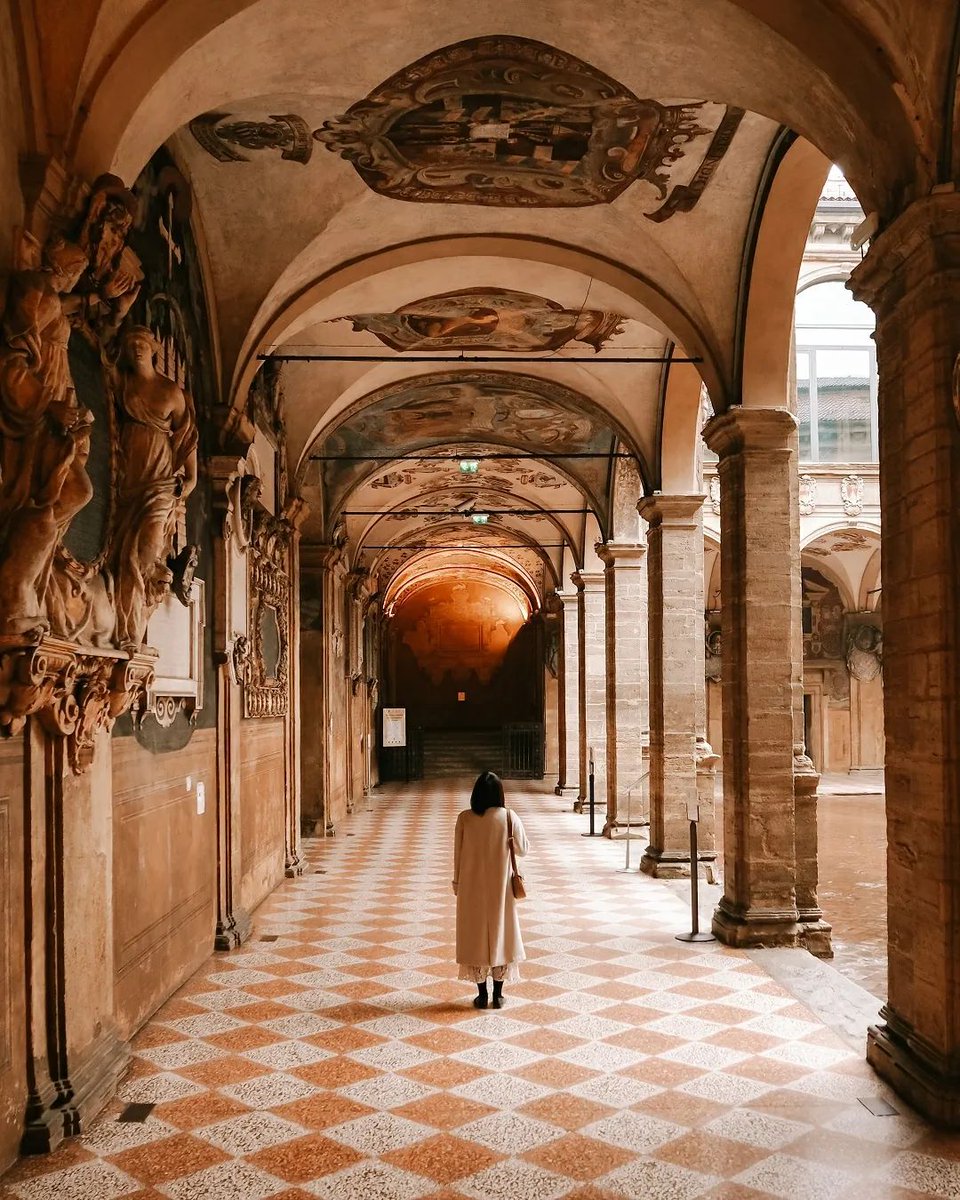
693 813
592 793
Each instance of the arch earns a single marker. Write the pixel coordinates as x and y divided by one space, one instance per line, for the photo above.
862 525
290 315
174 59
772 257
680 417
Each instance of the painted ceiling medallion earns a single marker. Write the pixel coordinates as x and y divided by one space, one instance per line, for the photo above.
508 122
225 137
491 318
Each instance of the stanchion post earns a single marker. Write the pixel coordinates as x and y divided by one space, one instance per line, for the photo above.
693 812
593 798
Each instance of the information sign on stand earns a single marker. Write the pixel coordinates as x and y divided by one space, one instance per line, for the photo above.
394 727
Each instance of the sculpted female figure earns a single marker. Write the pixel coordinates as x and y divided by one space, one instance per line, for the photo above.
44 435
158 470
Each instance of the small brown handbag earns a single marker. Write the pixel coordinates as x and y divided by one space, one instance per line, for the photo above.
516 879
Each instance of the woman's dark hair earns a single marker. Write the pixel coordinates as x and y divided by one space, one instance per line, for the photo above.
487 793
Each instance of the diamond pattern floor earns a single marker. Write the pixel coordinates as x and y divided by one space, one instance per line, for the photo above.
344 1060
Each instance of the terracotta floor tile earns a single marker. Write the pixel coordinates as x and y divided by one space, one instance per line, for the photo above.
744 1039
170 1158
343 1039
579 1157
681 1108
193 1111
566 1111
266 1010
712 1155
218 1072
648 1041
335 1072
443 1158
616 991
354 1013
274 988
156 1035
248 1037
323 1110
444 1111
444 1041
663 1072
305 1158
176 1009
554 1073
768 1070
546 1041
444 1073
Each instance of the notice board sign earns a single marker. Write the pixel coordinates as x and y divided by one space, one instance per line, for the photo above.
394 727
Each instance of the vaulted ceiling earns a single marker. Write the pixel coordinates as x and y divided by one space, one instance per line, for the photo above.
465 243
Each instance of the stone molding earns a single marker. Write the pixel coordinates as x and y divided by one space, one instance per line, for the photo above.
621 556
675 511
749 429
588 580
911 256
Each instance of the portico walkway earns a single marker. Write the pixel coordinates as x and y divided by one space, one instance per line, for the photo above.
336 1055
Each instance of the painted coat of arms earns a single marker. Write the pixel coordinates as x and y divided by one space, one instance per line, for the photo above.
515 123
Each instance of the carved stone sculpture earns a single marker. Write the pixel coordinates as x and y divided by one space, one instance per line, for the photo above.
864 652
111 282
44 436
157 471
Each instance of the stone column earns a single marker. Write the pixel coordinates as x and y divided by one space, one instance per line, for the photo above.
911 278
678 709
625 673
593 712
293 851
569 780
762 684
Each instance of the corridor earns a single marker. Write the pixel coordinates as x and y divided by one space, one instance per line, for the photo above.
335 1055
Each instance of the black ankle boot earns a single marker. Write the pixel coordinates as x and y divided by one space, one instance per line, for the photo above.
498 993
480 1000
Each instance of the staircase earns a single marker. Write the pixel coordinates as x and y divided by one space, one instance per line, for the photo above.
461 752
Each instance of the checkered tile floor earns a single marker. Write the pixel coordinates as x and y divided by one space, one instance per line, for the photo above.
344 1060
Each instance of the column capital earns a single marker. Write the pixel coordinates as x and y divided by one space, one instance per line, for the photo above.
741 428
587 580
921 244
568 599
670 510
621 555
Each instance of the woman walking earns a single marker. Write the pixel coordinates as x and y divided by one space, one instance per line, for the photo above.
488 931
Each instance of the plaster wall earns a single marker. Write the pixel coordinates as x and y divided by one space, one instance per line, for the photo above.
164 881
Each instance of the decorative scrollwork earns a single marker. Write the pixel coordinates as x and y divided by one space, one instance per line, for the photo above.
265 669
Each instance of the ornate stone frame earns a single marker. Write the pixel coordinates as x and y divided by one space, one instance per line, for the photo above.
266 695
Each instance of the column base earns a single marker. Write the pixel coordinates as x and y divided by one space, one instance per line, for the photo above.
674 864
233 931
816 934
564 789
921 1075
756 928
70 1105
578 804
293 866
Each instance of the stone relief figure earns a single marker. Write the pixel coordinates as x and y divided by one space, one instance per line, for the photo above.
109 285
864 652
157 472
44 435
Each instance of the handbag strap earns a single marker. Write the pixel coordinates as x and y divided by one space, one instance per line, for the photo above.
513 856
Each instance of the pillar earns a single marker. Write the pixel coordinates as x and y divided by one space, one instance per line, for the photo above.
569 667
625 674
762 682
911 278
677 687
593 696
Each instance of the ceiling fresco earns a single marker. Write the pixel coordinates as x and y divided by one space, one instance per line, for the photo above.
532 415
490 319
504 122
509 122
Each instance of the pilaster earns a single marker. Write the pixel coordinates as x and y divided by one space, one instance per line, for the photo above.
625 619
677 687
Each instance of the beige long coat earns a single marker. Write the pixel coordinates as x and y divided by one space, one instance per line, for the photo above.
488 931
